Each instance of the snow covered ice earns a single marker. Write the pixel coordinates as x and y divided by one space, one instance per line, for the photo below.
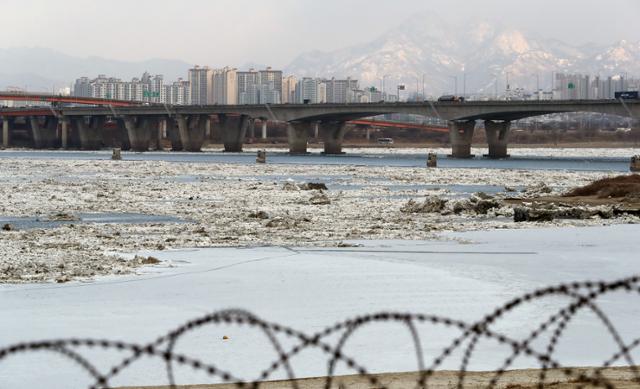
310 288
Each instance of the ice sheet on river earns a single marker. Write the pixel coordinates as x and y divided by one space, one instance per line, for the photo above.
310 288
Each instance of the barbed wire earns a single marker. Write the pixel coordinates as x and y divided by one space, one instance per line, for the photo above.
580 295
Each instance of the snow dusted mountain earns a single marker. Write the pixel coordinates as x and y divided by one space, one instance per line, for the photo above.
481 54
622 57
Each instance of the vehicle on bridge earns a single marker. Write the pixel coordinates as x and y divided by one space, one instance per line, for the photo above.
451 98
628 95
385 141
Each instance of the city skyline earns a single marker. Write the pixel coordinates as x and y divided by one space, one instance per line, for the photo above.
230 86
276 32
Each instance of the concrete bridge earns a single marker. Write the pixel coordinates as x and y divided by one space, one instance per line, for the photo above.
186 126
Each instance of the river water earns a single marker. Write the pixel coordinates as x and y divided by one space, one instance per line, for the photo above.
366 157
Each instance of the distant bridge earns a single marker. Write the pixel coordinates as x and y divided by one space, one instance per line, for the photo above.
54 99
399 125
186 126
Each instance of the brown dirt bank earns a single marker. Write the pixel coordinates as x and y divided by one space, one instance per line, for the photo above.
621 378
626 187
623 192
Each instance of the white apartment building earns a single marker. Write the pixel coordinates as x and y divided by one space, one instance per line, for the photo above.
289 89
178 93
148 89
157 91
270 86
341 91
248 87
225 86
309 91
582 87
201 81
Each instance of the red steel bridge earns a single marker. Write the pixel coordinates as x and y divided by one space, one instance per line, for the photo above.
395 124
59 99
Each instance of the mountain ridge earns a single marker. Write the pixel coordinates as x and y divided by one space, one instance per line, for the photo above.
482 53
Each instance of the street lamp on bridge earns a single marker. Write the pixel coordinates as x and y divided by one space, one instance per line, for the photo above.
455 80
384 77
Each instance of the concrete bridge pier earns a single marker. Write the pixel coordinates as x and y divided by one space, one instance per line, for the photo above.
460 135
233 130
264 129
90 131
140 131
298 134
160 134
122 136
333 135
192 130
64 133
44 132
6 134
173 133
497 137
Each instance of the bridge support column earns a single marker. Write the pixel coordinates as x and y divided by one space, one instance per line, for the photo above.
122 136
90 131
264 129
5 132
497 135
173 133
233 130
192 130
44 133
64 133
460 135
333 134
140 131
160 134
298 134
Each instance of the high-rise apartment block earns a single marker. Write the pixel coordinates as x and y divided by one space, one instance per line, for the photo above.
584 87
308 91
289 89
341 91
225 86
201 81
145 89
248 87
260 87
178 93
270 86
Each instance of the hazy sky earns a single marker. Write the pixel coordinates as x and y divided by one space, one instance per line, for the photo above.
234 32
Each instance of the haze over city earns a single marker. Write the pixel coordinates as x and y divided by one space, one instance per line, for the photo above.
274 32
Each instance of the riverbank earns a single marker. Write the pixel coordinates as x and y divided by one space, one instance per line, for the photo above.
619 378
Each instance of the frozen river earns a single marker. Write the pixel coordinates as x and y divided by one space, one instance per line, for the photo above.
530 159
463 277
